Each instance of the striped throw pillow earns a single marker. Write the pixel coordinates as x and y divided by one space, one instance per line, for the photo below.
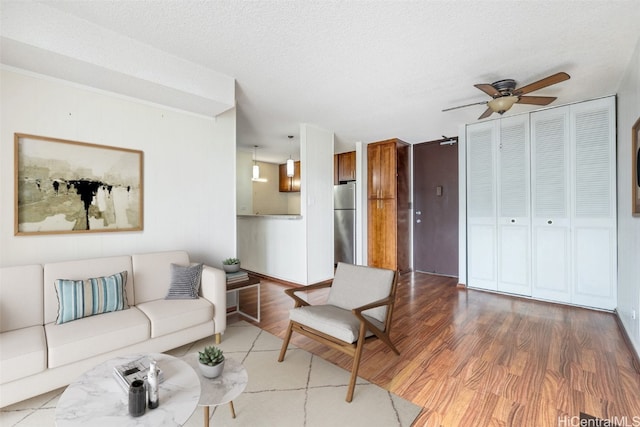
83 298
185 282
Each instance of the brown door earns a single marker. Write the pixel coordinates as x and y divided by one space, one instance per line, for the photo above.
435 215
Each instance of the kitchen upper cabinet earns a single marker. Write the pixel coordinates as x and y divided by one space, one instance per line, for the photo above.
346 166
290 184
388 205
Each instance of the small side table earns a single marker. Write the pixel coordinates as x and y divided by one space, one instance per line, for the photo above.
220 390
251 282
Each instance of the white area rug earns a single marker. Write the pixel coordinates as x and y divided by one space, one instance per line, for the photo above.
302 391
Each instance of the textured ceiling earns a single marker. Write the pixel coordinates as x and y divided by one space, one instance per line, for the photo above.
371 70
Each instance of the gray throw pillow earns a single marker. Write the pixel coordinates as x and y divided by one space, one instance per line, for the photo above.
185 281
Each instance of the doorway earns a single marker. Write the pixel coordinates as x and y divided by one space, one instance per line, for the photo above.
435 214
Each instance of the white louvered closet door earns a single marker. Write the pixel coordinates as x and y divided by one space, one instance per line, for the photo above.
550 199
481 205
594 203
513 202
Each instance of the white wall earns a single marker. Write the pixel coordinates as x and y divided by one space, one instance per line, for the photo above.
462 205
628 225
316 150
362 217
189 170
244 185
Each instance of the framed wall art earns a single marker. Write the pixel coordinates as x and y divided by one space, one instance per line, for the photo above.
75 187
635 170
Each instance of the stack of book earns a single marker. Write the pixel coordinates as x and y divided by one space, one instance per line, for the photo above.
138 369
238 276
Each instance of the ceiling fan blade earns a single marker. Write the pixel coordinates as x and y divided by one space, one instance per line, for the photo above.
547 81
536 100
463 106
488 89
486 114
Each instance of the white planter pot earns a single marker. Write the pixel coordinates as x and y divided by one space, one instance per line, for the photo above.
211 371
232 268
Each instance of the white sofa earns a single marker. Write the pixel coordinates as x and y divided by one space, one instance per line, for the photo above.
37 355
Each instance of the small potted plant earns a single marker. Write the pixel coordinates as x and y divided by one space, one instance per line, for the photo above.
211 361
231 265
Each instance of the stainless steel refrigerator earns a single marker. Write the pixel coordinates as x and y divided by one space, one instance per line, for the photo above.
344 223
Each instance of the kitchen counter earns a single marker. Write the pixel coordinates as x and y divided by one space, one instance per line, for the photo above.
280 216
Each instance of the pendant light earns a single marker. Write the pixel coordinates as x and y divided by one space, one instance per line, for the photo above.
256 169
290 168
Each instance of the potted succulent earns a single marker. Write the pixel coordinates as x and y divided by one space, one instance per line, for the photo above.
211 361
231 265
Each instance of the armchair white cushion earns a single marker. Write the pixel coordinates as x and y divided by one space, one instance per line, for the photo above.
359 308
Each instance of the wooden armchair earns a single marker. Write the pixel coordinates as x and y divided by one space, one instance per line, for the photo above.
358 309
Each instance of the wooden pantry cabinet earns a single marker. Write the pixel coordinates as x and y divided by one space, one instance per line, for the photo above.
388 204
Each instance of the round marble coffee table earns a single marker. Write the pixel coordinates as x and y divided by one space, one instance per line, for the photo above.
220 390
96 398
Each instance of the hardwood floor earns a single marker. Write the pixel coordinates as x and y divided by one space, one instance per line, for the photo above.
473 358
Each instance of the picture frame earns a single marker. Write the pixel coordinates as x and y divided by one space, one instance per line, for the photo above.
64 186
635 170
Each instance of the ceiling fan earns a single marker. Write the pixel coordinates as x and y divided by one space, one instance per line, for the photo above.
504 94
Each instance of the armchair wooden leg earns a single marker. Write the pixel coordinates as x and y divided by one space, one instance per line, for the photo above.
218 338
356 364
285 342
387 341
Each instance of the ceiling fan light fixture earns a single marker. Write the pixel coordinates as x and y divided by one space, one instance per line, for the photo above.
502 104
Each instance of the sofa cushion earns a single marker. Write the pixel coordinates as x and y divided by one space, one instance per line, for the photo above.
80 270
16 310
185 281
23 352
74 341
152 273
169 316
83 298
